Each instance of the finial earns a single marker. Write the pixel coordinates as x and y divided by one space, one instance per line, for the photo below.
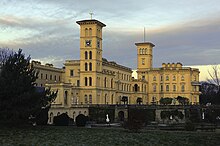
91 15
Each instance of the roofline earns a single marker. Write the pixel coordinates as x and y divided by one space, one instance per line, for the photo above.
145 43
91 21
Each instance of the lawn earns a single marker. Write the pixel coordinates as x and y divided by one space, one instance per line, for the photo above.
62 136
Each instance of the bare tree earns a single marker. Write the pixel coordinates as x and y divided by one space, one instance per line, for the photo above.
4 54
215 76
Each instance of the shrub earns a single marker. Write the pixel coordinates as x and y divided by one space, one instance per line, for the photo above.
134 125
42 117
189 126
81 120
61 120
166 101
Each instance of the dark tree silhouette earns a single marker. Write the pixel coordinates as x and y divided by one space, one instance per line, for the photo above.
19 97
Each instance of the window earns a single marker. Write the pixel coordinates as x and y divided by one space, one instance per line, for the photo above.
174 78
182 78
90 66
194 78
46 76
167 88
86 99
59 78
86 32
112 100
65 97
154 88
55 77
90 99
90 81
143 77
86 55
105 82
90 31
167 78
136 88
174 87
194 88
161 88
71 73
77 83
145 50
154 78
183 88
111 83
86 66
86 82
161 78
98 44
41 76
106 99
50 77
90 54
143 61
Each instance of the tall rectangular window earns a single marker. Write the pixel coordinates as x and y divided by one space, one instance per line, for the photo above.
71 73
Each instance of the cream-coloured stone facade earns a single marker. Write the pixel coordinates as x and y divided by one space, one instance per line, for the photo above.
95 80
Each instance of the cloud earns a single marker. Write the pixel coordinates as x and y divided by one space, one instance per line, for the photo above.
45 28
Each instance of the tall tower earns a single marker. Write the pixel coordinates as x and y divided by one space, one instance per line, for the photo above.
144 55
90 54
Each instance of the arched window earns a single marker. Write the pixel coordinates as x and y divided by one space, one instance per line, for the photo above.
174 87
154 88
183 88
136 87
86 55
90 81
105 82
90 54
65 97
90 31
167 78
174 78
90 66
112 98
86 99
106 99
140 51
86 82
86 32
167 88
86 66
145 50
182 78
90 99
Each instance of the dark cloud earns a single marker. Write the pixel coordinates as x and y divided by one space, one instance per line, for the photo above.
55 34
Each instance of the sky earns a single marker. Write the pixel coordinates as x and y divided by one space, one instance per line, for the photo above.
182 31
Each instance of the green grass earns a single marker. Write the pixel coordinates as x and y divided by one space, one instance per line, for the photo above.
62 136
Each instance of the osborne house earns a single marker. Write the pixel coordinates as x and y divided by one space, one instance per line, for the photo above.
93 80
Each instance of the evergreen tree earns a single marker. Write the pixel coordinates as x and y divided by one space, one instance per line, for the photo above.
18 96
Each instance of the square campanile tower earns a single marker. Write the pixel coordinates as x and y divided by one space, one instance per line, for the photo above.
90 51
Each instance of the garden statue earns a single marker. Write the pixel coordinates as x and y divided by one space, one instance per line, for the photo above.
107 120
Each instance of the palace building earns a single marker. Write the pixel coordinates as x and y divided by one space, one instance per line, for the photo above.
94 80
